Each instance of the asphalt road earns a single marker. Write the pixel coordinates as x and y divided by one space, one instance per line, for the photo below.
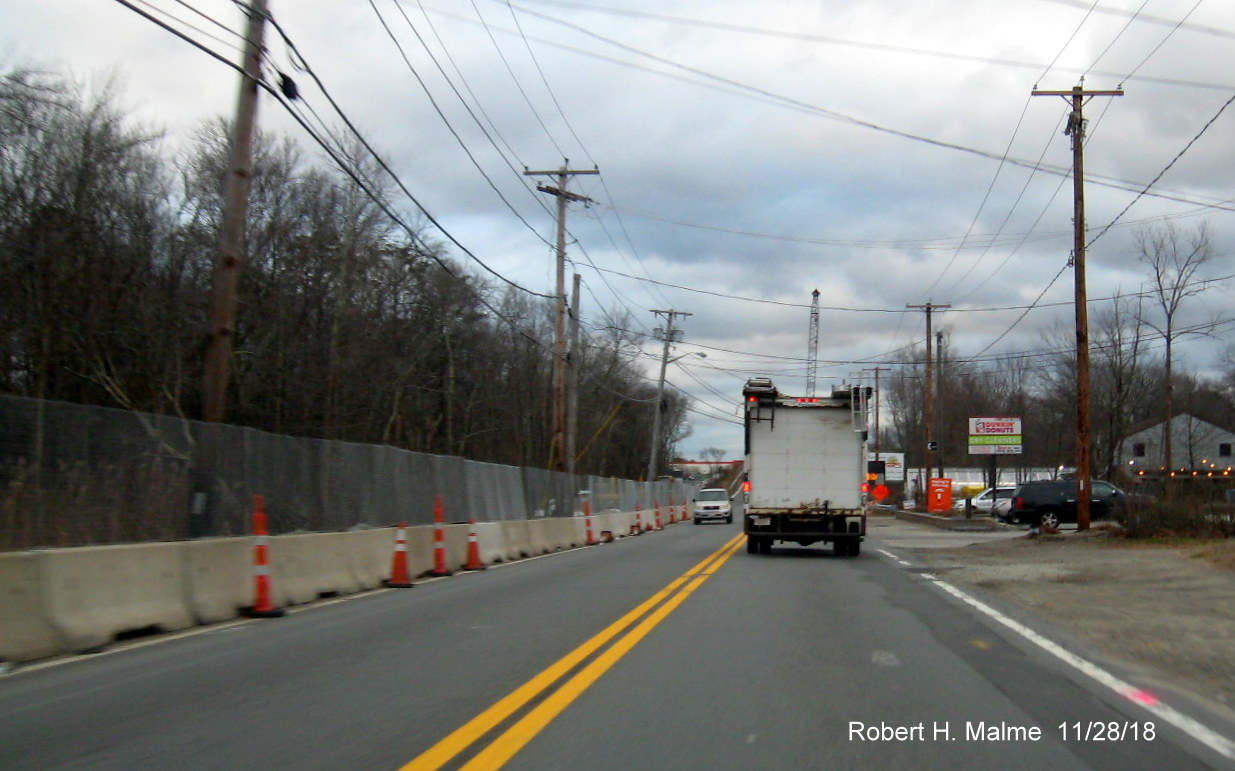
668 651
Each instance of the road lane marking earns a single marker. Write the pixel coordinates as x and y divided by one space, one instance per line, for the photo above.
892 556
467 734
1190 726
1202 733
517 736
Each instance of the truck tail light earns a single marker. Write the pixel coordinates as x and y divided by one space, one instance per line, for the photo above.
746 486
1018 502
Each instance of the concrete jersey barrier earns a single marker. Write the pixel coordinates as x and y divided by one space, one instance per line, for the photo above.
72 600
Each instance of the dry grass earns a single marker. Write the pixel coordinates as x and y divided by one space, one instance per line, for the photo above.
1219 554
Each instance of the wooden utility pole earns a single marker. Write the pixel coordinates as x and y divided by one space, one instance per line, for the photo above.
557 446
1076 129
877 402
572 380
929 397
938 389
669 337
221 325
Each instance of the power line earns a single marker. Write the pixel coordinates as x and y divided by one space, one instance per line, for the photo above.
278 97
513 77
866 45
386 167
1167 168
747 91
438 109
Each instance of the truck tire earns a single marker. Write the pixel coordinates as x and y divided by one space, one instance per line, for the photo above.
855 540
752 545
765 545
840 547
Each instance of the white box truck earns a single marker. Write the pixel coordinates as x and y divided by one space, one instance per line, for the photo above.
805 467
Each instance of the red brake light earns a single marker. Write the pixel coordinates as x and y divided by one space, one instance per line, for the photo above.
746 486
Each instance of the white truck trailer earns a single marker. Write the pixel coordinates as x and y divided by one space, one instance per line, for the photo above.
805 467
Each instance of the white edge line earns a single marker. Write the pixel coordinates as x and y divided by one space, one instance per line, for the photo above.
1193 728
893 557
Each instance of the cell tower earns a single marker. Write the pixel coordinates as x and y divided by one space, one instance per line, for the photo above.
812 345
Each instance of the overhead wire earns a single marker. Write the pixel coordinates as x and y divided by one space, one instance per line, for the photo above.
467 86
861 44
441 114
518 85
347 170
1112 42
736 88
386 167
1186 147
238 47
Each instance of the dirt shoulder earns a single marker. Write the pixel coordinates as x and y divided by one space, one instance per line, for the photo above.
1166 611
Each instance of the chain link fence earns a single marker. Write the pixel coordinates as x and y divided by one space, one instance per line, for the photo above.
73 475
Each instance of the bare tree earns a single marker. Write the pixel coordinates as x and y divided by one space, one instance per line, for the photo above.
1175 261
1121 376
348 328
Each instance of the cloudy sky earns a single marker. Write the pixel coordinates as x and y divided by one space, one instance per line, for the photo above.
887 153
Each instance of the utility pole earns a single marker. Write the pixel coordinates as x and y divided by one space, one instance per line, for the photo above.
938 388
557 447
572 382
812 344
221 323
670 335
1076 129
877 400
932 446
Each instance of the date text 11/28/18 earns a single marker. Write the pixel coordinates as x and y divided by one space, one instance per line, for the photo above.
1108 731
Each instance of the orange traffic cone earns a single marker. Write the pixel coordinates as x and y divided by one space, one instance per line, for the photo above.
262 607
399 578
587 518
637 528
439 540
473 549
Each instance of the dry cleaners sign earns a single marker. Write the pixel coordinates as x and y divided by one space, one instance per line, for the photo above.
994 436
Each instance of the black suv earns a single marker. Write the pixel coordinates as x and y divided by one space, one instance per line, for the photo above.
1051 501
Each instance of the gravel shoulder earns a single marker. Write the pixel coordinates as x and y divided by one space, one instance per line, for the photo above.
1163 611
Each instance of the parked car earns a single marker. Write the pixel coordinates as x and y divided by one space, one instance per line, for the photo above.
1002 505
712 503
1054 501
985 501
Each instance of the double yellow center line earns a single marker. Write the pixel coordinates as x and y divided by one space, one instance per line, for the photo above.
504 747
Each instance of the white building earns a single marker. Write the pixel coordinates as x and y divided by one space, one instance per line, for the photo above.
1196 446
